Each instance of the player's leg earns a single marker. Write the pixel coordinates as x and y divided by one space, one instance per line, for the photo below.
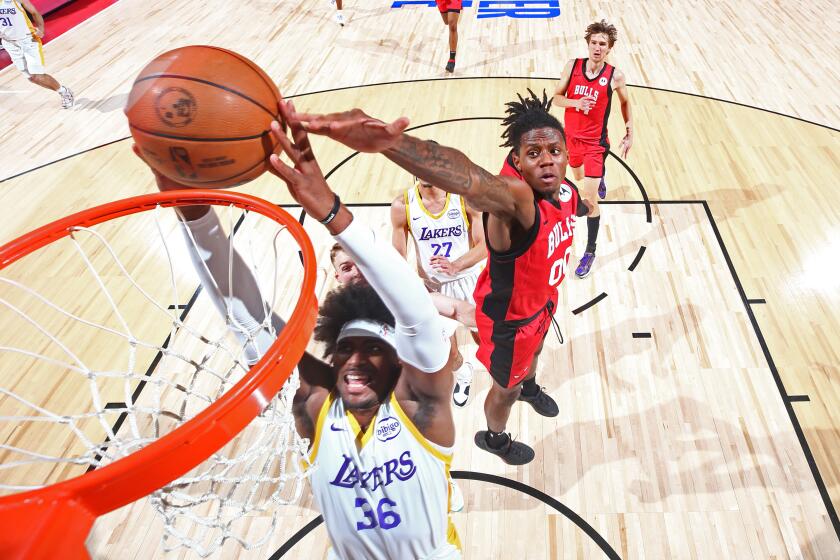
28 57
534 394
339 15
452 22
593 164
462 290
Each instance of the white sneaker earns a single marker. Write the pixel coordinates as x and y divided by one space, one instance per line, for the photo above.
67 99
339 18
456 497
463 382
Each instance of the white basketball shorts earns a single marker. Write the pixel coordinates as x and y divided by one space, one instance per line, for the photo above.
27 54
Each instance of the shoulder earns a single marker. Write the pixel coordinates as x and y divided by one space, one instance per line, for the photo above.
399 201
399 212
618 78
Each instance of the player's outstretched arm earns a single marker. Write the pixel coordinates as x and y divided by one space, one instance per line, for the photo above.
231 286
442 166
422 343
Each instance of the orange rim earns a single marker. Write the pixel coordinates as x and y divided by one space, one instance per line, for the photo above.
44 517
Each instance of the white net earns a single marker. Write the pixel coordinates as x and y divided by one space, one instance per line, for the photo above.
107 344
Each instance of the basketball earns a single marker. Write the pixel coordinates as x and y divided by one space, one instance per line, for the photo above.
201 116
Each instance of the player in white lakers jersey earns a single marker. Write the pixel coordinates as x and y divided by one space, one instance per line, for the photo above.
378 416
22 40
450 248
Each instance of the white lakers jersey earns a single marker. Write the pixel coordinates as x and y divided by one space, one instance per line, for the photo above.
446 233
384 493
14 22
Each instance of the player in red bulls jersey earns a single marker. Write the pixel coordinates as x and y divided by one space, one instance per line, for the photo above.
586 89
528 223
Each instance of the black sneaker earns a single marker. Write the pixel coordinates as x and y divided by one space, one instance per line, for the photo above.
542 403
514 453
450 66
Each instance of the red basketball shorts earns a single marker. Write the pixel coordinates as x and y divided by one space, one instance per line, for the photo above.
449 5
507 348
589 154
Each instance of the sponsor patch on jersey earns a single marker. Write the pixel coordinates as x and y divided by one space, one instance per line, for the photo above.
454 213
602 81
388 428
565 193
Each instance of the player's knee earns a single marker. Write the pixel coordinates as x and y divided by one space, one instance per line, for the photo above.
453 26
505 395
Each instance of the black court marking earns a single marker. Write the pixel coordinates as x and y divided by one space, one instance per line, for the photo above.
646 200
641 335
112 405
786 399
638 258
756 301
140 386
589 303
209 83
558 506
176 306
799 398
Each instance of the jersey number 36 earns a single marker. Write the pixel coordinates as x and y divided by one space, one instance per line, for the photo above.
385 518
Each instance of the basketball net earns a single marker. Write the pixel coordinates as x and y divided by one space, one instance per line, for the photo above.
119 347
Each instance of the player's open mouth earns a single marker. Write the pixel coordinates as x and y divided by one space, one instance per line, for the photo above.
548 178
356 380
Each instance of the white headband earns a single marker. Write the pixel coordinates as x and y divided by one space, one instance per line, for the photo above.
369 328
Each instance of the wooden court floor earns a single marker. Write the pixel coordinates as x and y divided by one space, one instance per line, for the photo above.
699 394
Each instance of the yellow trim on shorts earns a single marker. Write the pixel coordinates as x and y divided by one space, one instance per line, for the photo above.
41 53
421 439
423 208
452 534
319 425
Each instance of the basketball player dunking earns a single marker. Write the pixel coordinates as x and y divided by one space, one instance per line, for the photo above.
528 227
22 41
449 248
378 417
585 90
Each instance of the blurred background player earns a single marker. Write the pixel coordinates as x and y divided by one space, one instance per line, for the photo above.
585 90
457 310
450 12
449 246
339 15
22 41
528 226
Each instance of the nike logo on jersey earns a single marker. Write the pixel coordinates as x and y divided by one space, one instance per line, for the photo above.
417 218
335 428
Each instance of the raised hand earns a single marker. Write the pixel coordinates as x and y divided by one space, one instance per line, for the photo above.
354 129
305 180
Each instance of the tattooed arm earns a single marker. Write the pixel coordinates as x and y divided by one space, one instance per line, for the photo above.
505 198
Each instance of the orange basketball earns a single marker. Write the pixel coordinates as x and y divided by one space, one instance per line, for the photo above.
201 116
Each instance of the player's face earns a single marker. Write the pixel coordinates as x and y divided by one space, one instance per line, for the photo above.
367 370
599 47
346 271
542 159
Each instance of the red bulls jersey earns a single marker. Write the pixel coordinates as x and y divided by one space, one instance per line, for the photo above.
592 125
517 284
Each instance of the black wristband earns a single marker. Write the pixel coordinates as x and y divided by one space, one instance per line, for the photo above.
333 213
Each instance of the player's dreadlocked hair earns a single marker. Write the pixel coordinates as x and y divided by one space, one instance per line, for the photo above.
526 115
350 301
